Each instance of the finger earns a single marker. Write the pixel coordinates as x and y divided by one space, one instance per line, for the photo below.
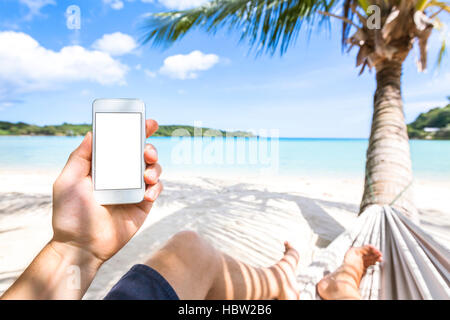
79 162
152 192
150 154
152 173
147 203
150 127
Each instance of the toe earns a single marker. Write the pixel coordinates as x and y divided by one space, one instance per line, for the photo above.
291 256
370 255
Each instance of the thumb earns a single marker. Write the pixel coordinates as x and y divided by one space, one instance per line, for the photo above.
79 163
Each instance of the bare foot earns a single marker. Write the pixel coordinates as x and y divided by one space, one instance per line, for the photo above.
344 282
363 257
285 273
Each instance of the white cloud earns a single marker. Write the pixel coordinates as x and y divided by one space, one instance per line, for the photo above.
116 44
114 4
26 66
178 4
35 6
187 66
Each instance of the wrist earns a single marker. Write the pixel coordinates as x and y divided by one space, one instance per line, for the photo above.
73 255
59 271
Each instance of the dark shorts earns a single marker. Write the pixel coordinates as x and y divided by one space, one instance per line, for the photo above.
142 283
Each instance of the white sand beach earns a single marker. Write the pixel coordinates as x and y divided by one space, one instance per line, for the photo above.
247 217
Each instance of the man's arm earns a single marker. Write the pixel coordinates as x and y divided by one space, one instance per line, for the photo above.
85 234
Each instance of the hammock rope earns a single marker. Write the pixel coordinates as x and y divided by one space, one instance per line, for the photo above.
401 193
398 196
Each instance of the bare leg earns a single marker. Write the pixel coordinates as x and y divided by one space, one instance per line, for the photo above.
198 271
343 284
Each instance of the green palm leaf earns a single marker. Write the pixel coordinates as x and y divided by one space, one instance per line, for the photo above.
271 24
275 24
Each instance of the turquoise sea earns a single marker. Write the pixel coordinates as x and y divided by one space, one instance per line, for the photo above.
286 156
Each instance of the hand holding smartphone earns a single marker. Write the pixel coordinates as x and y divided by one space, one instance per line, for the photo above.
118 150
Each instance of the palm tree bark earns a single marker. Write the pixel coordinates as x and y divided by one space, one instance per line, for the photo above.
388 165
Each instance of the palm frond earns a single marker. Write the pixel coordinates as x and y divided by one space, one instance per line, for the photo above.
271 24
442 52
363 4
443 49
440 4
348 14
421 4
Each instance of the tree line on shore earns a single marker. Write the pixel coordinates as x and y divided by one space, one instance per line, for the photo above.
67 129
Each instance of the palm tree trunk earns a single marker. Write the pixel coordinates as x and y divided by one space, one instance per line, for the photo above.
388 165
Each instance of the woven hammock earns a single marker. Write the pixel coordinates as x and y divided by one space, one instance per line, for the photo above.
415 266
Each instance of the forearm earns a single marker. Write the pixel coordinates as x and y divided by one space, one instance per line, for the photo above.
59 271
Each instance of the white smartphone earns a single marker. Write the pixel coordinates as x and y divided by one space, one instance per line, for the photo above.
118 150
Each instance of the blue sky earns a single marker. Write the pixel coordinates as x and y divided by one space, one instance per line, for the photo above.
51 74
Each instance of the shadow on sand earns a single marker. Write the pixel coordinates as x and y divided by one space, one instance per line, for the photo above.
244 221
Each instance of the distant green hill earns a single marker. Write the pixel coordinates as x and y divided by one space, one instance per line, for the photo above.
22 128
66 129
167 130
438 119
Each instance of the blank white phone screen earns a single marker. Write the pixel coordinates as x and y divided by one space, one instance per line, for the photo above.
118 157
